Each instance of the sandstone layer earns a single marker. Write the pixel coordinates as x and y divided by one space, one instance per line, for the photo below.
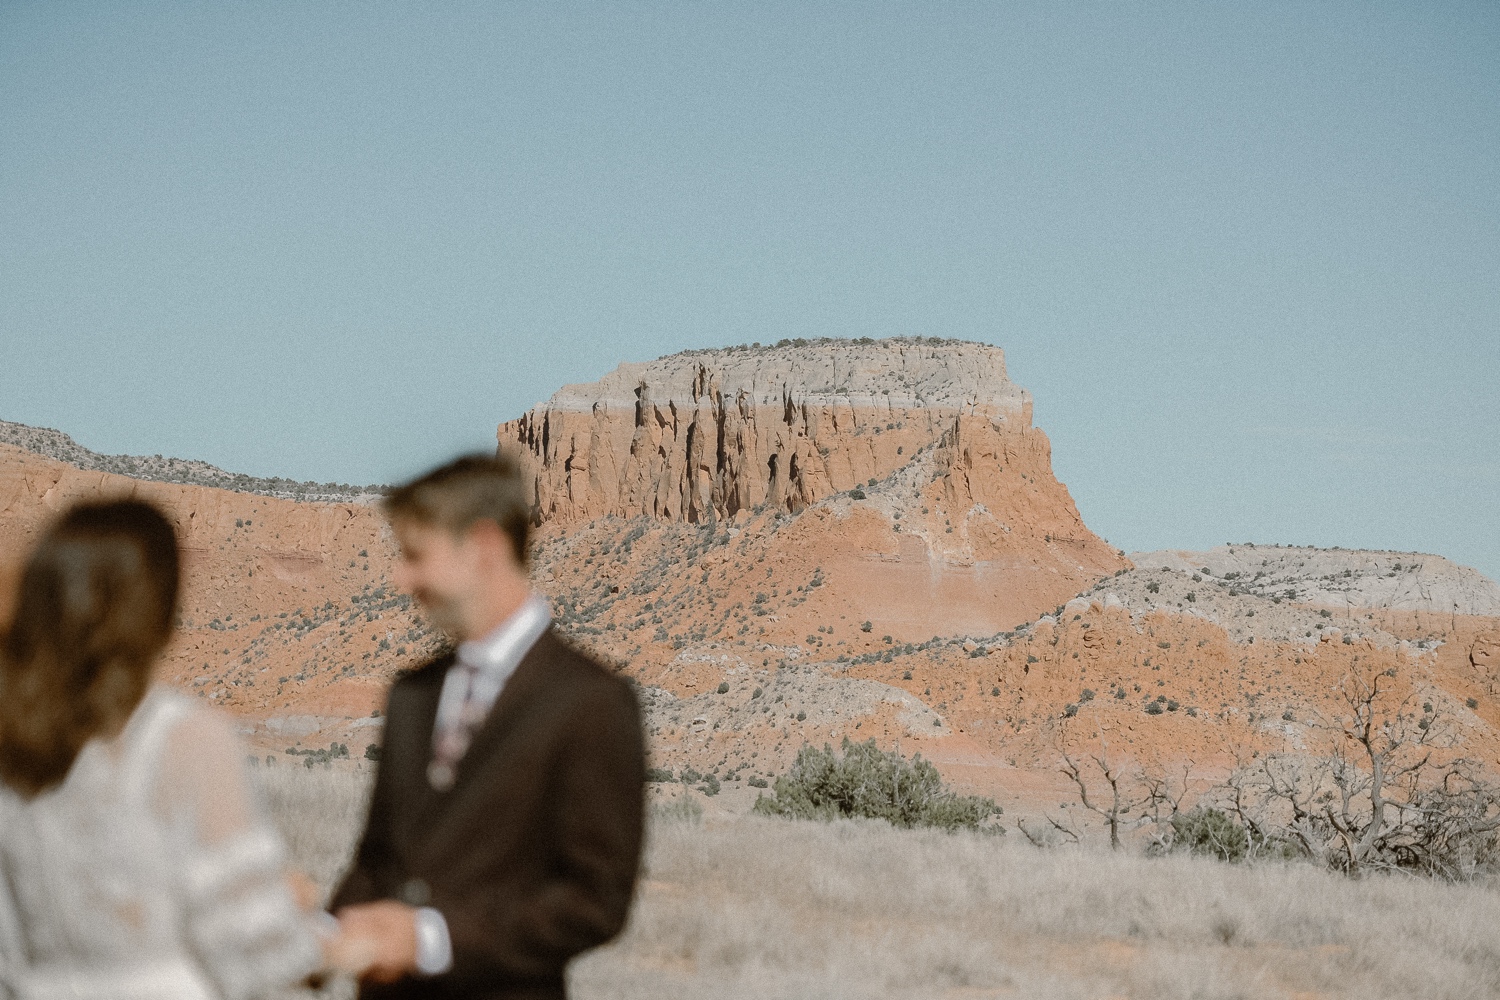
708 434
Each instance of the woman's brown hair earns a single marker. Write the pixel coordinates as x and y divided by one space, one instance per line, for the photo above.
95 606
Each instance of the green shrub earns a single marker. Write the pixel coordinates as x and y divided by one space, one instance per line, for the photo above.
1210 831
659 774
869 782
372 751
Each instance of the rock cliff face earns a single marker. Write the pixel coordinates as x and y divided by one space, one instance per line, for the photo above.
706 434
906 473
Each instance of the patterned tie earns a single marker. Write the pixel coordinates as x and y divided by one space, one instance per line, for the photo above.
453 740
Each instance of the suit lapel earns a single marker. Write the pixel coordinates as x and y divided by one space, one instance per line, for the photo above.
501 723
414 751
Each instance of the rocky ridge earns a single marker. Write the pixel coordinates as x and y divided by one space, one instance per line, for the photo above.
187 472
1343 578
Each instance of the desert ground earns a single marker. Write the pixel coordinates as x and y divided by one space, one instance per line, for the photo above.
740 906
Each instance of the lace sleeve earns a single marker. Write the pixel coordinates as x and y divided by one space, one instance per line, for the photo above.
240 919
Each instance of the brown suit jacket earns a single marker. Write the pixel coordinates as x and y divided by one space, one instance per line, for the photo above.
532 856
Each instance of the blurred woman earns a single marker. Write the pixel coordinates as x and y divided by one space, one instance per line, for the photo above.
134 861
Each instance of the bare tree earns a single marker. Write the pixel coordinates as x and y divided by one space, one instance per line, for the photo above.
1164 795
1387 794
1123 792
1048 836
1378 769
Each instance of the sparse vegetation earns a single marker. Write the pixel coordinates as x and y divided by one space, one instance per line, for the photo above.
684 809
757 907
156 468
334 751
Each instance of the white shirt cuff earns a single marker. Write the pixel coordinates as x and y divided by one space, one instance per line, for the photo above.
434 947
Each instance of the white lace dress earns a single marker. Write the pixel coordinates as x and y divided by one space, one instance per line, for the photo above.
149 873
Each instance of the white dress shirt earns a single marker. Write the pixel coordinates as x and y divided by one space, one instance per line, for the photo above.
495 657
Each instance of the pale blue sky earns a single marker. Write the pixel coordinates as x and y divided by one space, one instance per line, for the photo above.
1246 256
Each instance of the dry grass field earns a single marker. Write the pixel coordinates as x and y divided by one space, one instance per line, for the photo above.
762 908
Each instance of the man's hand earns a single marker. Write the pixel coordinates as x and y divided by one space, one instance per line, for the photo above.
381 937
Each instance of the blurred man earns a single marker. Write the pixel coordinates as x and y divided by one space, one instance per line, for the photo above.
505 826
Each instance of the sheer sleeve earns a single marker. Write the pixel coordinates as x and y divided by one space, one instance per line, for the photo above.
239 917
12 955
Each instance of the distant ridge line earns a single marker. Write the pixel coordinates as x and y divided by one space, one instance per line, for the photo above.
757 346
60 447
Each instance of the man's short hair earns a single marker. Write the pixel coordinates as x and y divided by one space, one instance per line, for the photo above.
468 489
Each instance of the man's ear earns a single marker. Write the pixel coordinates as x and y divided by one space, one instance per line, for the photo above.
493 542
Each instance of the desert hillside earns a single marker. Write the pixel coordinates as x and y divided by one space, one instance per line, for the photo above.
802 542
288 619
815 540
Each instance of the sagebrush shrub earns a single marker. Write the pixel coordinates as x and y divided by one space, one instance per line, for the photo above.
871 783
